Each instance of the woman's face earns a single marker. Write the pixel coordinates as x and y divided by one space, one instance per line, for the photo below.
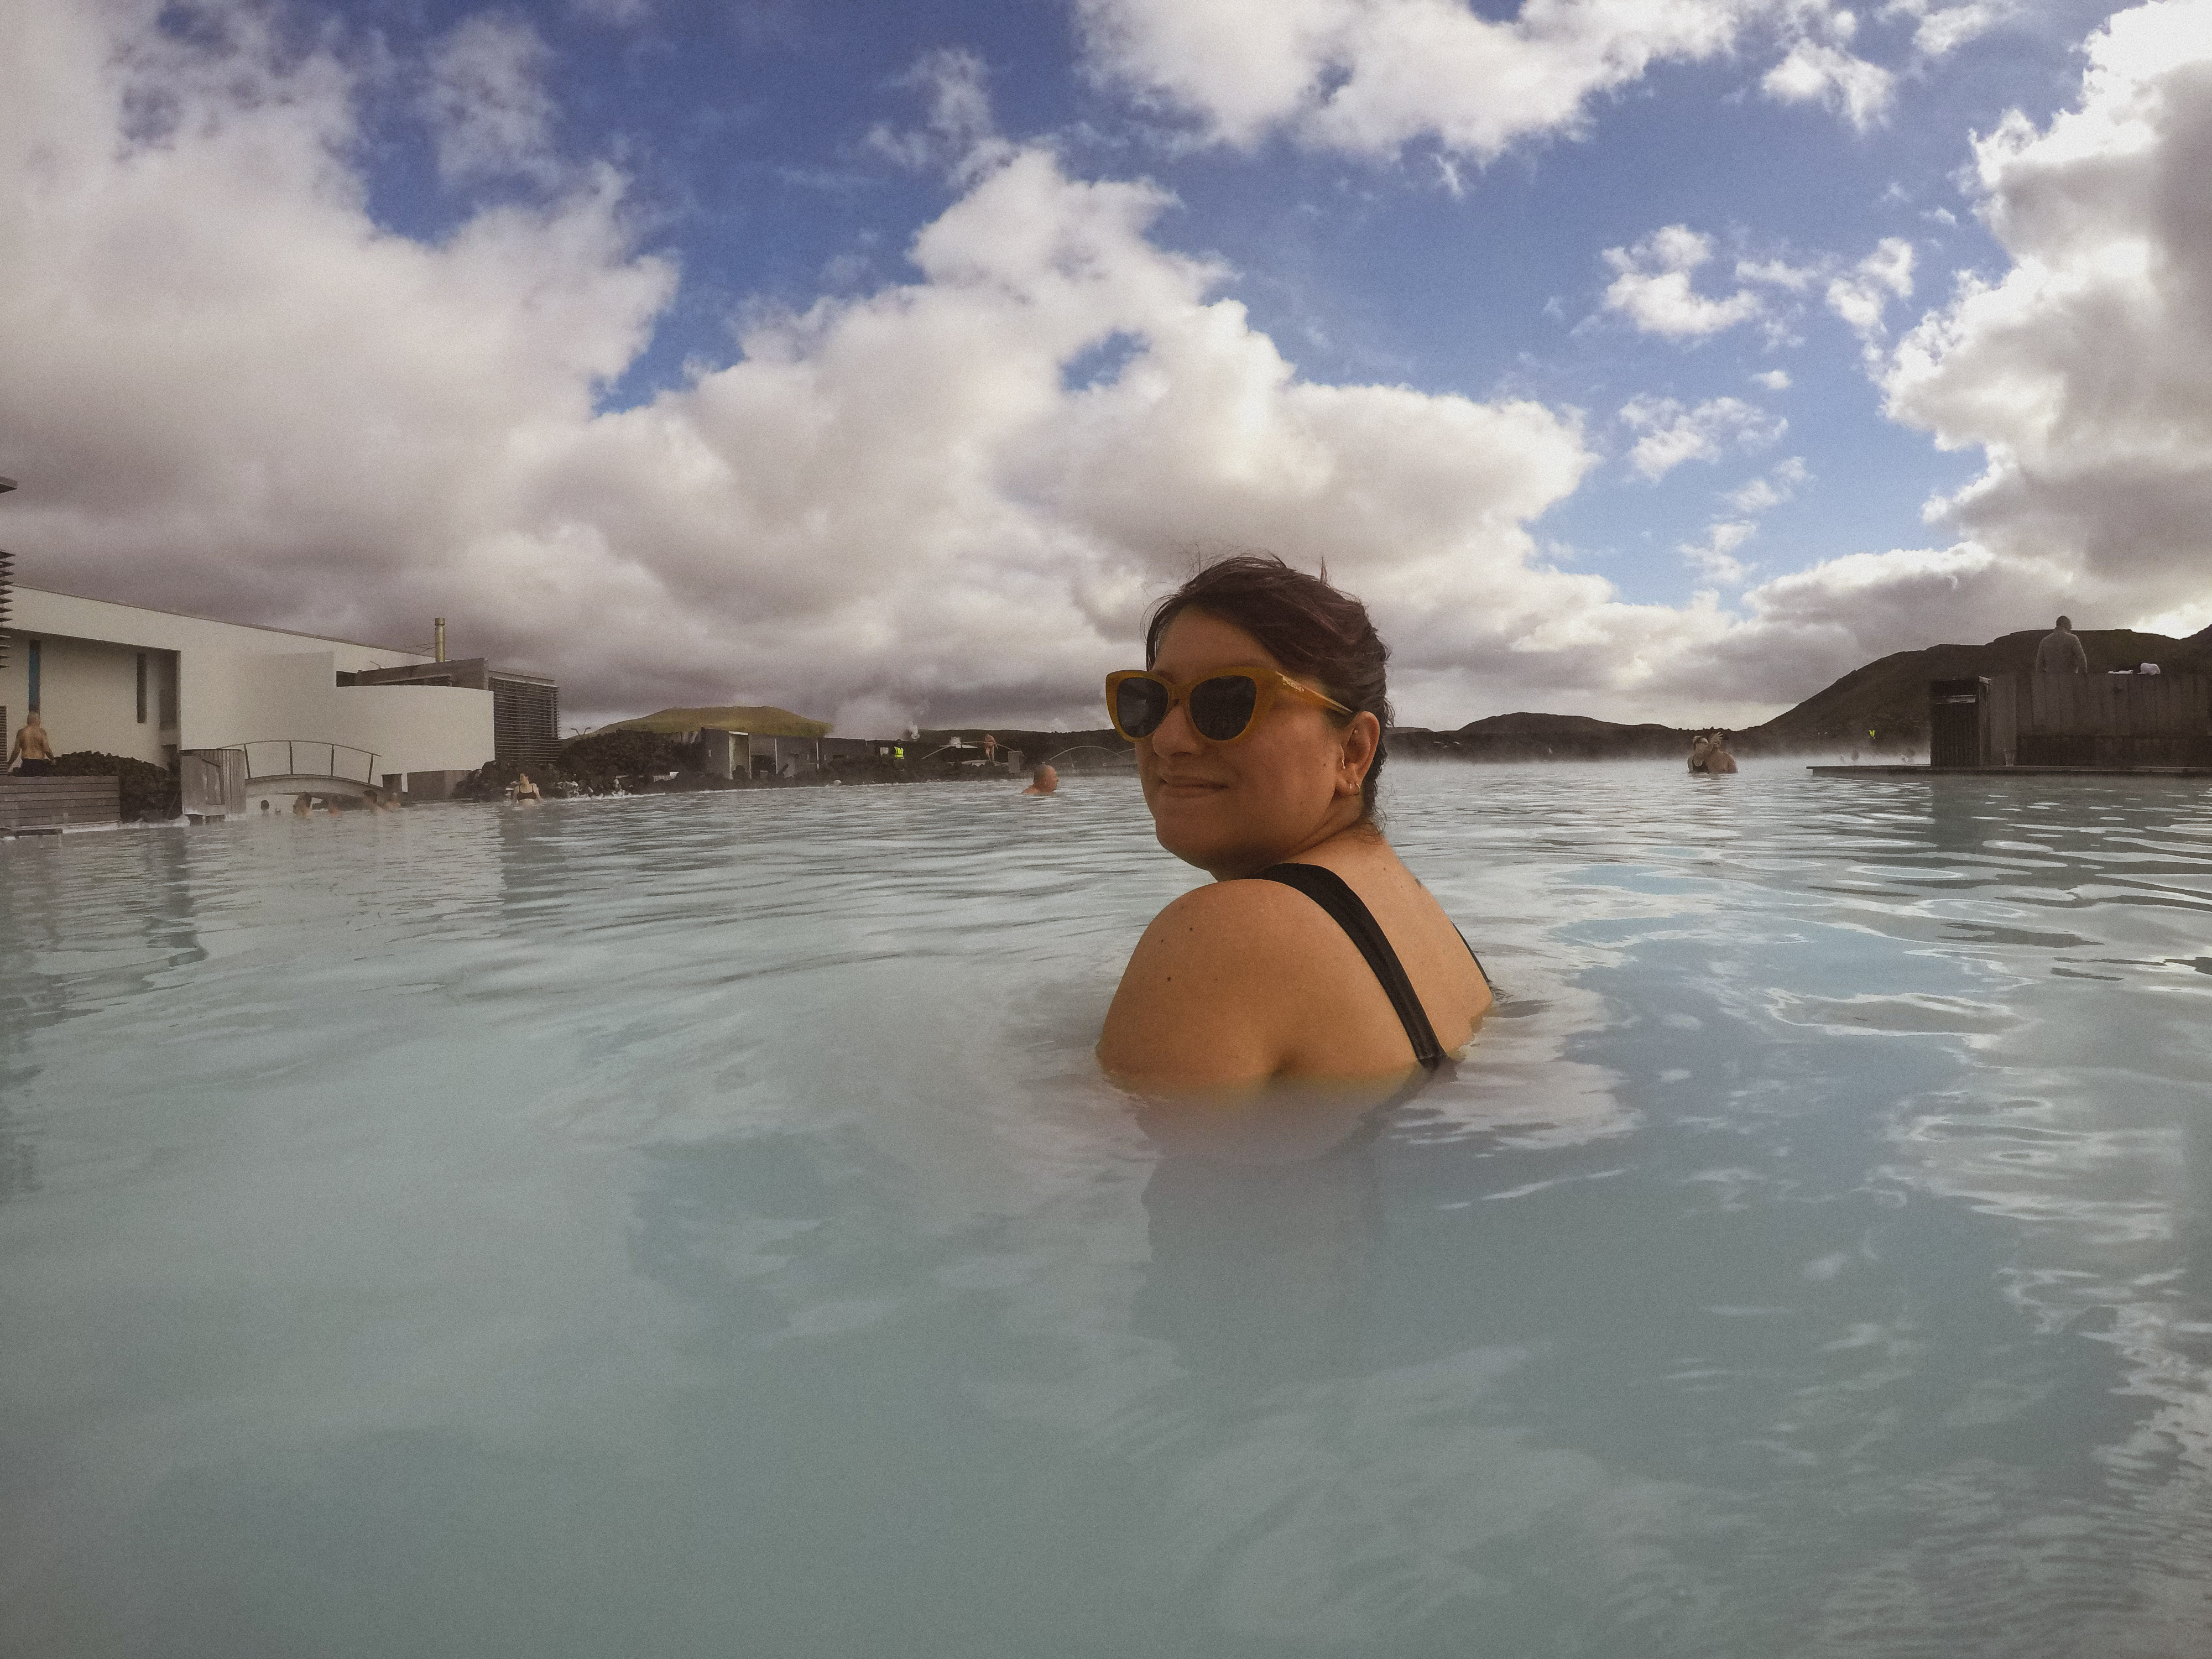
1233 809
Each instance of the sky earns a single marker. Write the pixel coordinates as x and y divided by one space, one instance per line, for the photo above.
1647 359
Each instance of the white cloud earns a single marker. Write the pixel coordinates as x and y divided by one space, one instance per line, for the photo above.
1672 434
1714 558
486 102
1774 379
1816 71
1862 297
2080 372
1763 495
1368 76
1943 30
892 497
1776 273
229 391
961 136
1653 287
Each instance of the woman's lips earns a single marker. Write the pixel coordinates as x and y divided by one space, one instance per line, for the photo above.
1188 788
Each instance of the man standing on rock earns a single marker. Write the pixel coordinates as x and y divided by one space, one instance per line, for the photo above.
2061 651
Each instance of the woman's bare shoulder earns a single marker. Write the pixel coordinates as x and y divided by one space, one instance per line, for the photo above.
1210 989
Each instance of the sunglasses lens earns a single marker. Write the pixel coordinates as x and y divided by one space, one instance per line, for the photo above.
1139 705
1221 707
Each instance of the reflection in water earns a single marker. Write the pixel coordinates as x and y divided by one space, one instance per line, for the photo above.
70 948
697 1225
1258 1276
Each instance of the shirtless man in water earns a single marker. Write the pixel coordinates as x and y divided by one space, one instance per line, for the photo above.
1043 781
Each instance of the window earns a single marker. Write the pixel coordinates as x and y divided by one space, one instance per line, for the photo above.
33 666
141 688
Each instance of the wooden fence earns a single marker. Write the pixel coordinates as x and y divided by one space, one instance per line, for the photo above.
53 803
2119 705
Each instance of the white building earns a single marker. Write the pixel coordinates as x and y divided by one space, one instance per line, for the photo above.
154 686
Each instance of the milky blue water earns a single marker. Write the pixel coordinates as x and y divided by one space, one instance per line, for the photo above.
694 1225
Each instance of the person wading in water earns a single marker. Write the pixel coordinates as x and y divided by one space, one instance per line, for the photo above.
1315 957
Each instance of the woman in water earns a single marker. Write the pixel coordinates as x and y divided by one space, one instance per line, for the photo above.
1315 957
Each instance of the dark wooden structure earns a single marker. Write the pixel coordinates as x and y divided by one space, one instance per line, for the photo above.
1972 722
2123 720
58 803
2111 723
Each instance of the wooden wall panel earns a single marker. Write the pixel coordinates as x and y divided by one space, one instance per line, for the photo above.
49 803
2119 705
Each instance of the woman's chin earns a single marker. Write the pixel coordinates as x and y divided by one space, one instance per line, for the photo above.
1191 850
1219 856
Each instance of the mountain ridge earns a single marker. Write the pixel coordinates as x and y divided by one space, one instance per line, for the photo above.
1880 705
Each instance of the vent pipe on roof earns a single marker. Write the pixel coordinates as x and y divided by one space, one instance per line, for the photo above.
439 624
6 585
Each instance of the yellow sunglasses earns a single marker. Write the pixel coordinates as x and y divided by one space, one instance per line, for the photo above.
1224 706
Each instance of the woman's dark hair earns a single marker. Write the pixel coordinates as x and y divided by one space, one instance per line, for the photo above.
1310 627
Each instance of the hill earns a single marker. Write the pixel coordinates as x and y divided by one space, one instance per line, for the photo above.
760 718
1882 707
1886 702
1540 737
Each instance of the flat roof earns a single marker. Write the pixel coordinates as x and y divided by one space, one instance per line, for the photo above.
227 621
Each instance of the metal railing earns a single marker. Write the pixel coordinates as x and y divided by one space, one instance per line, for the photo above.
293 757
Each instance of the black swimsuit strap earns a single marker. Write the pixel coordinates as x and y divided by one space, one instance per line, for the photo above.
1327 890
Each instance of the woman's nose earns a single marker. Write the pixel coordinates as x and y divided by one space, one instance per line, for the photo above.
1175 735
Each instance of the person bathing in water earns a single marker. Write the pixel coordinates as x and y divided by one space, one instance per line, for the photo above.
1043 781
1315 957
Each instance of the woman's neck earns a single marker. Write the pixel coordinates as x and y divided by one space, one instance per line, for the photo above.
1336 829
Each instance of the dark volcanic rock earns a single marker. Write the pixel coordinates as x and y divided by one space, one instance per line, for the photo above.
592 763
145 790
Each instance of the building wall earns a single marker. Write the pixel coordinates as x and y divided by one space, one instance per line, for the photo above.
88 696
409 728
38 612
235 685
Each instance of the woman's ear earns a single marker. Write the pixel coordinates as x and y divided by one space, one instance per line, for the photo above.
1361 736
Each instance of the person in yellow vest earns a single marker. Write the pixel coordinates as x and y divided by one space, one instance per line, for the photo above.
32 754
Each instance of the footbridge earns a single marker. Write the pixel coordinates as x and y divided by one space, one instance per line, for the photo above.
224 782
